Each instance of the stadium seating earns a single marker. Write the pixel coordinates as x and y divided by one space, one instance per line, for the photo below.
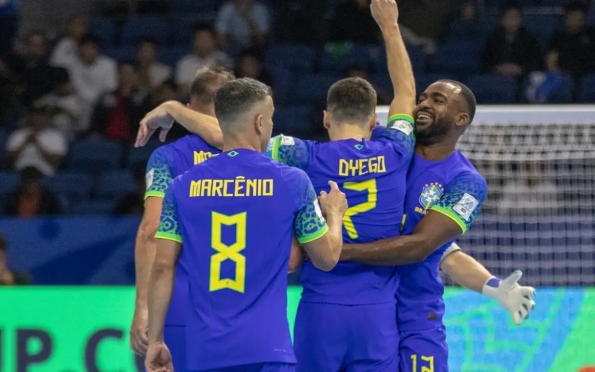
120 52
313 88
460 57
195 6
297 58
94 156
115 184
172 54
283 83
291 120
103 28
587 89
137 28
8 183
140 155
93 207
493 89
74 186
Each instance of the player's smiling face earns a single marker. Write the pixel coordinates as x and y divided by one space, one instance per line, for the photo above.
433 116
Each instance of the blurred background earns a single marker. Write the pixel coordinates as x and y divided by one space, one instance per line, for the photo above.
77 76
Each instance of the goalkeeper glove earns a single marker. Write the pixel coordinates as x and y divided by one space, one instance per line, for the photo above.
517 300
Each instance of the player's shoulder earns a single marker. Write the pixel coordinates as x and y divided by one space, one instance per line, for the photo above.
463 171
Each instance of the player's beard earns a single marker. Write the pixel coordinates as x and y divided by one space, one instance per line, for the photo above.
434 133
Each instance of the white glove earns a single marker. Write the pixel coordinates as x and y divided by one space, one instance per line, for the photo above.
517 300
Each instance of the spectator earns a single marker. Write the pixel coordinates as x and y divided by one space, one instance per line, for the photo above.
544 85
32 199
576 42
250 66
63 104
37 145
355 12
118 114
8 276
152 73
425 22
66 50
134 203
242 24
92 76
205 54
168 91
511 50
36 71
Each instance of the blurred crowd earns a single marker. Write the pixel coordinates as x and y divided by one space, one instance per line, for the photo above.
97 79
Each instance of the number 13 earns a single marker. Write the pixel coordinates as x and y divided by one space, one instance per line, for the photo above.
429 359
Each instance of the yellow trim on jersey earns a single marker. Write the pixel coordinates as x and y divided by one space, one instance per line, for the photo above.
315 235
453 216
168 236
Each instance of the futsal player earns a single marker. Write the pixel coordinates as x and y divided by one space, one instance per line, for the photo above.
236 215
444 196
164 164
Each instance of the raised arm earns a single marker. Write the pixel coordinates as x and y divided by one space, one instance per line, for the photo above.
448 219
386 14
467 272
164 116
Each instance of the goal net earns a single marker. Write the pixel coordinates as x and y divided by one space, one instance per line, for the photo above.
539 216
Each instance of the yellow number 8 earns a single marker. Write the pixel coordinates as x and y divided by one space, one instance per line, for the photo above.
228 252
370 187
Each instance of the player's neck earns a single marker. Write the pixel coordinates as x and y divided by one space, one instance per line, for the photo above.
437 151
235 142
348 131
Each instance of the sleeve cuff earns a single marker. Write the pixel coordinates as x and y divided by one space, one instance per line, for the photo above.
313 236
406 117
452 216
166 236
158 194
275 149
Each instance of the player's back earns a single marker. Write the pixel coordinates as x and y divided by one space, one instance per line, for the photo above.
452 187
372 176
238 252
166 163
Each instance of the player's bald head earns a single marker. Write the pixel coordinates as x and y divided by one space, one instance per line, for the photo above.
464 99
240 101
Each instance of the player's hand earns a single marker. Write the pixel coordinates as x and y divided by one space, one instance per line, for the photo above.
385 12
516 299
334 202
139 341
158 118
158 358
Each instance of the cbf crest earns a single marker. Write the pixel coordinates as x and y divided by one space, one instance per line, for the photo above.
430 195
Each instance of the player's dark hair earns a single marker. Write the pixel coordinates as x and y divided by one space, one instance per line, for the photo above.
467 97
147 40
204 28
207 81
351 100
236 98
510 5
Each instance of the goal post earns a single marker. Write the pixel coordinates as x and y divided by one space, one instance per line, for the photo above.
539 216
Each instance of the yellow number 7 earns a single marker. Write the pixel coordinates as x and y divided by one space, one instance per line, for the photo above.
370 187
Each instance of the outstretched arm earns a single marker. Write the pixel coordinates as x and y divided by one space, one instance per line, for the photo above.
386 14
164 116
467 272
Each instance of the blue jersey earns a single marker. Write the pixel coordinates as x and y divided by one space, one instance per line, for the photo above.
236 215
454 188
166 163
372 176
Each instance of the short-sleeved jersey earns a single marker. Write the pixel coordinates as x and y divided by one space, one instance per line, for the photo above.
372 176
454 188
166 163
236 216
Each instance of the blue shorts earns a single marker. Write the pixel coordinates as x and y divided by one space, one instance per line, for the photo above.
424 349
175 339
331 338
258 367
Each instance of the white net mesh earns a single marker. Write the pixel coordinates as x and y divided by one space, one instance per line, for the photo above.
540 213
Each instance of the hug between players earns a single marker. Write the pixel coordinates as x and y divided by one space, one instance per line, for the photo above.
370 218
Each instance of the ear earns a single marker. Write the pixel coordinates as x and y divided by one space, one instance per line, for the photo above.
326 120
374 121
462 119
258 124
